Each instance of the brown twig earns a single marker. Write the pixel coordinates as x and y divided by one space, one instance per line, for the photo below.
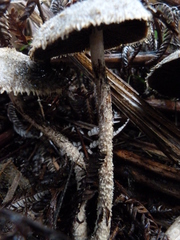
155 167
12 189
150 180
162 104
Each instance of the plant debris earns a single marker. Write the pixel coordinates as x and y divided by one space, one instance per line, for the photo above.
49 158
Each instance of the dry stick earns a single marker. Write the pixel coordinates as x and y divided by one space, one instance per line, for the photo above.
148 164
170 188
147 147
161 131
168 105
6 136
80 224
4 166
12 188
173 188
115 59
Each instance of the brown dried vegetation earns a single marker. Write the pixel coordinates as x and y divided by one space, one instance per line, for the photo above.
38 185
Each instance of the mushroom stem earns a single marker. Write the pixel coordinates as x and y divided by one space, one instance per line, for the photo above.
98 64
105 116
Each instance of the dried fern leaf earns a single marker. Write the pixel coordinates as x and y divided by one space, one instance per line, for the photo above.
3 6
5 35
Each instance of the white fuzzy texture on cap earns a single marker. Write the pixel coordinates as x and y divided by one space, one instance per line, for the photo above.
86 14
15 75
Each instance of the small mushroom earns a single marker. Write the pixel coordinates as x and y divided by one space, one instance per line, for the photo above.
165 76
68 32
95 24
19 74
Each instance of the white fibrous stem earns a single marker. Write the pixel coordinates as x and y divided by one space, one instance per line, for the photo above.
173 232
80 225
68 149
105 118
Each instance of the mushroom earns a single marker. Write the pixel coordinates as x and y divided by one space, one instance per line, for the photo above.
97 24
19 74
164 77
121 21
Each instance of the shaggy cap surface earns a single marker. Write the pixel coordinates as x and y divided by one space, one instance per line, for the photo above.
19 74
122 22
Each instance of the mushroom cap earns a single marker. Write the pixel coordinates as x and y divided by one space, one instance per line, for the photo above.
19 74
165 76
122 22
